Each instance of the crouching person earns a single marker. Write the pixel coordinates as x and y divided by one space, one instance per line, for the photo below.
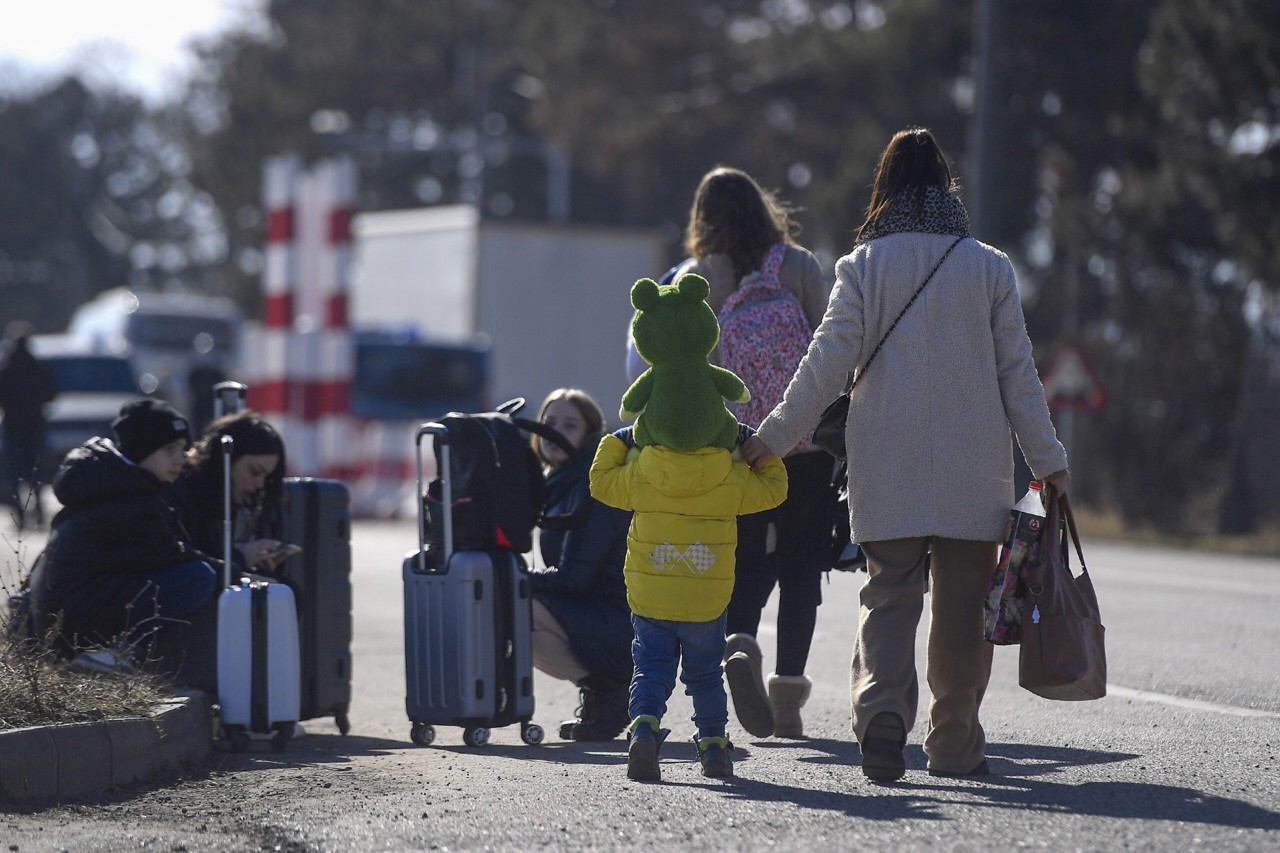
581 622
117 570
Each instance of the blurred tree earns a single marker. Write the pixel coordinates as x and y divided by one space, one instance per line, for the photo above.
421 91
452 100
802 95
1136 157
1142 189
93 194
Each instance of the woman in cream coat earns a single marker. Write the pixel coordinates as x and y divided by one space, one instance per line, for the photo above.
928 440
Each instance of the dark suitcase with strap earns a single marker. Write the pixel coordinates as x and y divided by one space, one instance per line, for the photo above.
316 514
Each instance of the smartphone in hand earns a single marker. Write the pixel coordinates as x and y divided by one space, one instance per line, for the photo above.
284 550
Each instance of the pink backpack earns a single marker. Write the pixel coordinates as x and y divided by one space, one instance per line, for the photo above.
763 335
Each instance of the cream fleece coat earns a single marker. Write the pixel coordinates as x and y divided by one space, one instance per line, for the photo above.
928 435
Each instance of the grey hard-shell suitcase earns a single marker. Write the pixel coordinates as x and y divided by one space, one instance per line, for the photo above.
316 514
467 630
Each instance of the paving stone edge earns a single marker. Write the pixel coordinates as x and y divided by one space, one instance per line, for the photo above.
45 763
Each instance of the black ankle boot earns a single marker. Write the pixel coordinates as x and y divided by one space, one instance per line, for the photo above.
585 711
604 709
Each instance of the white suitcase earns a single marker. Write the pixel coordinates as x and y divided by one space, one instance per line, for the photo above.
259 665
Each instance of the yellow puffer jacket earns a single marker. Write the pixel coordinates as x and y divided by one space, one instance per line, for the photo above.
680 547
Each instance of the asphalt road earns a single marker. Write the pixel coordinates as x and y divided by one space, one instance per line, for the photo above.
1181 755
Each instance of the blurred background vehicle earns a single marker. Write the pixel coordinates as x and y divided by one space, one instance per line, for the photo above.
92 386
166 336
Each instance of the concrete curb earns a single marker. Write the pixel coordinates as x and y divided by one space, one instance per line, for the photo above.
79 759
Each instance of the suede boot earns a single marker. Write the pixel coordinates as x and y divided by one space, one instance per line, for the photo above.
743 670
787 695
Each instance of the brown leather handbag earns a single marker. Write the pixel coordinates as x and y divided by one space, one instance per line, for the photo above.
1063 654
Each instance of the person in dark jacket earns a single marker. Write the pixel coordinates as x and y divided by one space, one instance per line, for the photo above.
26 386
257 478
581 621
117 569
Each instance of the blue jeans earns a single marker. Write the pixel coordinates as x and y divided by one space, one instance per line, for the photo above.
658 646
172 594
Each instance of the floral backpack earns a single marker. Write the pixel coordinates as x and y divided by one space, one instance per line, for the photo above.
763 335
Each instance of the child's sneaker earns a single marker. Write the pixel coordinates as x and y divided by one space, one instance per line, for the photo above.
716 754
109 661
642 751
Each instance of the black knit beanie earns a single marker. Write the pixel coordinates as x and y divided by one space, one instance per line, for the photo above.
146 425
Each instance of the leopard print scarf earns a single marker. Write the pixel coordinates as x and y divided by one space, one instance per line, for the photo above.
923 210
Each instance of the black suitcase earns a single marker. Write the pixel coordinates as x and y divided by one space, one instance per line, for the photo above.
467 630
316 514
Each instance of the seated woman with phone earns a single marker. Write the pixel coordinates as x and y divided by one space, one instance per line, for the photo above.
257 477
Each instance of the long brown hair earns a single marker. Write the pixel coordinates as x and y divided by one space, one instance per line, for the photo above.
592 416
912 158
732 215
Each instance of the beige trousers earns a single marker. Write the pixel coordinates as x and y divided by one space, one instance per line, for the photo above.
551 650
958 665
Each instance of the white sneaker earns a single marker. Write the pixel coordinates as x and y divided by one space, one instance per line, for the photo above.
107 661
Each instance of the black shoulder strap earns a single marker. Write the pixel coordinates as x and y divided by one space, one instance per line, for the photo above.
550 433
910 302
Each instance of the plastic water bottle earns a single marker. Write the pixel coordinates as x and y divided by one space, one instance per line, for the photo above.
1031 503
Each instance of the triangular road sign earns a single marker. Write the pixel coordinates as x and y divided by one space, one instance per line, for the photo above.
1069 382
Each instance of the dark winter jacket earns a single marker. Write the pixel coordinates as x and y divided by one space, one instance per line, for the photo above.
26 385
586 544
197 500
115 526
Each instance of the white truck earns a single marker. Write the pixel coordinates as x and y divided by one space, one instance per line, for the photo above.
553 300
165 335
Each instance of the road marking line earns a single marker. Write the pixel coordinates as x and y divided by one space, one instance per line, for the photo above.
1192 704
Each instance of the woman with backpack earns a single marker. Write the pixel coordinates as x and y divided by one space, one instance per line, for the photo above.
739 240
581 621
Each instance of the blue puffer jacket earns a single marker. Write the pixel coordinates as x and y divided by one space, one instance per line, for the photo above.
586 544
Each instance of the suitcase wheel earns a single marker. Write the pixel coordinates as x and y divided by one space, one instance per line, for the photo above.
422 734
344 724
532 734
475 736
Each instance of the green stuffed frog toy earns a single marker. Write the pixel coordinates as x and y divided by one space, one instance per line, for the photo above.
680 398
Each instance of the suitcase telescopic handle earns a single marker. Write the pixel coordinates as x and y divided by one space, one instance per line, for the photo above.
229 398
228 443
440 434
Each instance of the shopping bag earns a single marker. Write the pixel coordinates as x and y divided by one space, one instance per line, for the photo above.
1063 655
1003 606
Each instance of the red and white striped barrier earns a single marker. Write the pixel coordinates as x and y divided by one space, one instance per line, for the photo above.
386 484
267 356
304 362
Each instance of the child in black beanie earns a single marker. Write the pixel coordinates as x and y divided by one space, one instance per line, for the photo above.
117 567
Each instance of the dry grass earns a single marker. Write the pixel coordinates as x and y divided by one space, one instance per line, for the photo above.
36 689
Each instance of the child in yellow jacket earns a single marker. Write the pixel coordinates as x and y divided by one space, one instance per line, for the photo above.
679 567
